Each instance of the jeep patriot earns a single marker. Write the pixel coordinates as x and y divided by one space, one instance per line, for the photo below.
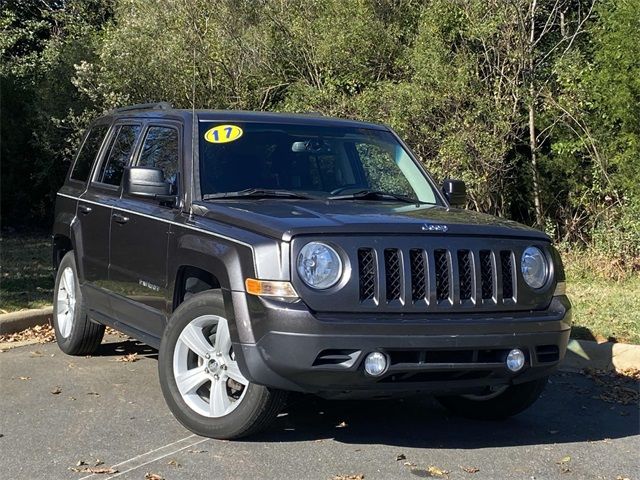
266 253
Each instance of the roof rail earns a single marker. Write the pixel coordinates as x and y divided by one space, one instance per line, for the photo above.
144 106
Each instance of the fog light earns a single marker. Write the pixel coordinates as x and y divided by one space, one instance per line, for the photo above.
375 364
515 360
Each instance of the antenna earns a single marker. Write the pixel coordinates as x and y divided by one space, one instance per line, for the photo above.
194 133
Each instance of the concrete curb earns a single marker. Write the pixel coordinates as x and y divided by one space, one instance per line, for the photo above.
608 356
16 321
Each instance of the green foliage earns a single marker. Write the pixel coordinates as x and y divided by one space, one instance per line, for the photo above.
455 79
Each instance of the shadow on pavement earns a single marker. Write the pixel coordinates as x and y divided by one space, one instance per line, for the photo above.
570 410
126 347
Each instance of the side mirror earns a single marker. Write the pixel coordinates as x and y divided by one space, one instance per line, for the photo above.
455 191
147 182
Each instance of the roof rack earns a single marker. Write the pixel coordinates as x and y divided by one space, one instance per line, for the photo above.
144 106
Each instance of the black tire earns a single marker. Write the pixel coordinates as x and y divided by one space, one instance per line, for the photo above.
85 336
510 402
257 408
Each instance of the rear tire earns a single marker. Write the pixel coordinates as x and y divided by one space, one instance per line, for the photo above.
200 379
512 400
76 334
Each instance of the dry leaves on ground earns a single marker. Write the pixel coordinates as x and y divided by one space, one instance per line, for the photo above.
56 390
96 470
153 476
564 464
437 472
470 469
129 358
357 476
401 456
619 387
113 331
39 334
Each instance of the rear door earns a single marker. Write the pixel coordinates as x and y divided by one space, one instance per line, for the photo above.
140 231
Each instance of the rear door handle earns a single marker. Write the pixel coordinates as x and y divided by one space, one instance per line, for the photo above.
120 218
84 209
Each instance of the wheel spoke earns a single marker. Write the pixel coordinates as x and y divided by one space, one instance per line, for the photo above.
189 381
233 372
62 305
68 281
223 340
218 399
193 338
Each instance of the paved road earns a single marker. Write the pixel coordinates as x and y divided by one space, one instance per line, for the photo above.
114 411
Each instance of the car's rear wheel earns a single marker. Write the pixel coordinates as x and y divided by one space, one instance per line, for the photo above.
495 403
76 334
200 378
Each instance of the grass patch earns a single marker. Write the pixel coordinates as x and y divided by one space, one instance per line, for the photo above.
27 275
606 303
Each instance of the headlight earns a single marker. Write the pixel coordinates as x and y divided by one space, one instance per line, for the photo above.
319 265
535 267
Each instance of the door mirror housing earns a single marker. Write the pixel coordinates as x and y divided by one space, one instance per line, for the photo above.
147 182
455 191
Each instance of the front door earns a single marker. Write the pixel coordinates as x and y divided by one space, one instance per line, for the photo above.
140 231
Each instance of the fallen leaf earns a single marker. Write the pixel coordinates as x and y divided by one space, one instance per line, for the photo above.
566 459
56 391
196 451
437 472
470 469
401 456
564 464
152 476
80 463
409 464
93 393
98 462
620 477
24 378
357 476
130 358
173 463
96 470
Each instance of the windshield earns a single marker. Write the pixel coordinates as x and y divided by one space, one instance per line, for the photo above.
256 159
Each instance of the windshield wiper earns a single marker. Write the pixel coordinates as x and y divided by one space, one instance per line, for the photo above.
255 193
375 195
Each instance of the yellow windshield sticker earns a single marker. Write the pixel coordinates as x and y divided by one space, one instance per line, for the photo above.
223 134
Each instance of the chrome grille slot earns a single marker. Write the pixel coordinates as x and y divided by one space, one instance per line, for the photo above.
486 274
418 275
506 261
442 274
465 274
393 275
368 274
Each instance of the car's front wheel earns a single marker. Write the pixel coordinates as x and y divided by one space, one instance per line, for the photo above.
495 403
200 378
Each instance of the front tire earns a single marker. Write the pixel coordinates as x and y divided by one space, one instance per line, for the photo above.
200 378
76 334
497 404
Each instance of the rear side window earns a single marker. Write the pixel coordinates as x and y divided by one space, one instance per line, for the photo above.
120 151
160 150
88 153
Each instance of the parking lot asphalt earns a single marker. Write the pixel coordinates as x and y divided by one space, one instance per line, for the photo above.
57 412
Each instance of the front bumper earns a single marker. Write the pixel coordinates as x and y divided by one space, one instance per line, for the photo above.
300 351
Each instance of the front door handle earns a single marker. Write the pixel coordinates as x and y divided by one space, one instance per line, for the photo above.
119 218
84 209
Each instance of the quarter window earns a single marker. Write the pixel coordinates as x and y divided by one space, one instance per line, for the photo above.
160 150
120 151
88 153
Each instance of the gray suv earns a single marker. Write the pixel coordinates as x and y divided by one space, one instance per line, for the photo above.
266 253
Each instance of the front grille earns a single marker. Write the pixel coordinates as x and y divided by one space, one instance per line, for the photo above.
437 278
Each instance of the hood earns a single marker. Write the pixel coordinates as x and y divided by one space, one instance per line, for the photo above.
285 218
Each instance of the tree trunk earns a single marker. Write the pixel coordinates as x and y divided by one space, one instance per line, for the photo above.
533 145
